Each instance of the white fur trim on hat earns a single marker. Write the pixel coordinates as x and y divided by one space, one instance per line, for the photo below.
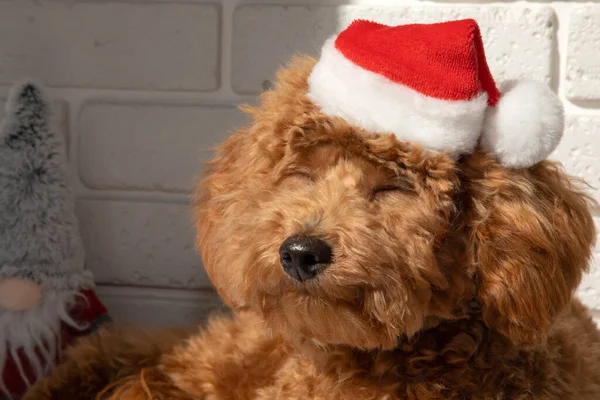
376 104
525 126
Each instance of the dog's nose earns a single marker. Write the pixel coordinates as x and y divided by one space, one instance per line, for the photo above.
304 257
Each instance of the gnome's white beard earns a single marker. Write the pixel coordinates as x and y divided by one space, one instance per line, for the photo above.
36 330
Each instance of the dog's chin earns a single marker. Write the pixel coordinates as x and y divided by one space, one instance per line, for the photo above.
337 308
348 337
301 319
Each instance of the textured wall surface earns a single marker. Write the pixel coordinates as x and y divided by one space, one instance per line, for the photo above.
143 88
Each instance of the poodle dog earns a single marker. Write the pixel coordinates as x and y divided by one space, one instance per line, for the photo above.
361 266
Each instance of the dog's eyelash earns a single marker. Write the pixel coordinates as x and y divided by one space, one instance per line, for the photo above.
380 190
298 173
302 174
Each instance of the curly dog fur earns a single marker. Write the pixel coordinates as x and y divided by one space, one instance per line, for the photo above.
451 279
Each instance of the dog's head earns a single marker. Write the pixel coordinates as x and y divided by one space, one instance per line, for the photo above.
339 236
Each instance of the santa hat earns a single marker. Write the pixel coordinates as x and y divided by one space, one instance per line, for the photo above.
430 84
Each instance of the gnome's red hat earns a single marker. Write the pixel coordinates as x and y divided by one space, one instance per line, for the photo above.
430 84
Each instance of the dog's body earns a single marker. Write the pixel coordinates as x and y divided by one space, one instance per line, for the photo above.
234 359
447 279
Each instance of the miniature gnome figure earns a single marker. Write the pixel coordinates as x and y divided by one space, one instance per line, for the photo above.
47 297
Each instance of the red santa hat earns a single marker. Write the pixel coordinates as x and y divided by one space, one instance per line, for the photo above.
430 84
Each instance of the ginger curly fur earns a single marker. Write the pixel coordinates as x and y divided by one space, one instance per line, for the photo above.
457 283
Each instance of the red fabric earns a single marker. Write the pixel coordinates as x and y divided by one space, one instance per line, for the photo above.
91 310
444 60
11 375
87 310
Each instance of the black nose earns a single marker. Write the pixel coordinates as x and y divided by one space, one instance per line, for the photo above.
304 257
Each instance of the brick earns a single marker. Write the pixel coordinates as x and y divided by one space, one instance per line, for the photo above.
149 147
145 244
589 290
106 44
160 307
578 150
583 63
512 34
265 37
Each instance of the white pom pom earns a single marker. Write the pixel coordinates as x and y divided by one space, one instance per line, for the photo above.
525 126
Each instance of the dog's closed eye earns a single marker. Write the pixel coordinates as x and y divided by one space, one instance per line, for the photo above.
295 173
379 191
401 186
301 173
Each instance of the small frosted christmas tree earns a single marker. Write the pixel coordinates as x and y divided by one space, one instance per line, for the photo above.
46 294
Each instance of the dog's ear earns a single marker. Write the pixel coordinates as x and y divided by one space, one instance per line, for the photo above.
239 173
532 233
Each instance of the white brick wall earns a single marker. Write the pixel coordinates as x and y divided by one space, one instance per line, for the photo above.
143 88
